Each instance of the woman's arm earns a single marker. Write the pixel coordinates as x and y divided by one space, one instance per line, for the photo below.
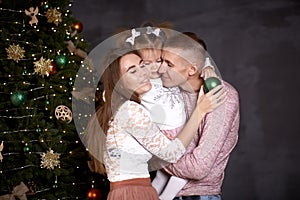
205 104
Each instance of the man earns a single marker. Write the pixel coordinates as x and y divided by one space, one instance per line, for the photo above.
204 164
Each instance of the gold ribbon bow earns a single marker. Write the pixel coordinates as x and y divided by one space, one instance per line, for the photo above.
18 191
84 94
73 49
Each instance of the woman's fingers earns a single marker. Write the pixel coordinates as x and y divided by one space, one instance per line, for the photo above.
211 100
215 90
217 96
219 100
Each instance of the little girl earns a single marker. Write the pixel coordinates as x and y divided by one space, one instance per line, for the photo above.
165 105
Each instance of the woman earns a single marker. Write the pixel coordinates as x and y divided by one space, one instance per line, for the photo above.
131 137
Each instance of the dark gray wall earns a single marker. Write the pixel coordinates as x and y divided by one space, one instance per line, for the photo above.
256 47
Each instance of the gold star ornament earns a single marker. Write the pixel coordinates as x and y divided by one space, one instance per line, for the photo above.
50 160
42 67
15 52
53 16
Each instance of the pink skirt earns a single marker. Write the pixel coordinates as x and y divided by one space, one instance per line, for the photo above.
133 189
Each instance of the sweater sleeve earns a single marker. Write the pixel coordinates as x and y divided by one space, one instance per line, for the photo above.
217 136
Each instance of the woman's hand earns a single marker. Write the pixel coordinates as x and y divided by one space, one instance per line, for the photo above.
211 100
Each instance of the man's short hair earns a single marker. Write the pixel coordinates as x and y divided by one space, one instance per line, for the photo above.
187 48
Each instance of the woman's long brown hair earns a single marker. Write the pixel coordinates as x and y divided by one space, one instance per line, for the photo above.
114 97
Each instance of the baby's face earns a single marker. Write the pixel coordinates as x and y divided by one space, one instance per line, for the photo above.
152 60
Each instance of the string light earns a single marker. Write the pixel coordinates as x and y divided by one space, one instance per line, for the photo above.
16 117
6 132
27 108
18 168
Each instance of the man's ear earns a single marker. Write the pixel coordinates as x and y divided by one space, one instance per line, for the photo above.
193 69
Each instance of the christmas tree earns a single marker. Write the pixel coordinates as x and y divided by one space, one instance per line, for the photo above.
41 155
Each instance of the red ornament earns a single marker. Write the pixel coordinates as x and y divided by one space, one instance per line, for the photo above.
52 68
77 26
94 194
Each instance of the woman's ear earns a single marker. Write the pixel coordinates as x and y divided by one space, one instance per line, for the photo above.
193 69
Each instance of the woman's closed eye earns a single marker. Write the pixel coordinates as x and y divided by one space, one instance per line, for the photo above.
132 69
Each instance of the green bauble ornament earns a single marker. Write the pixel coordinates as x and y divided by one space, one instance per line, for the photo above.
61 61
38 130
68 37
211 83
25 72
45 5
17 98
55 185
26 149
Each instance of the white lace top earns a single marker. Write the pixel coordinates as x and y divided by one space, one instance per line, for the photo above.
132 139
165 105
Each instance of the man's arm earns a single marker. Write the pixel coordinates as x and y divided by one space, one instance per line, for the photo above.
218 137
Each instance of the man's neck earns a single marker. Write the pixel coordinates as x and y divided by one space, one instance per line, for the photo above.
193 84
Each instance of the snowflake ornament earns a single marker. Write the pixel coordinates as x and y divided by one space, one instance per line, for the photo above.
50 159
15 52
42 67
63 113
53 16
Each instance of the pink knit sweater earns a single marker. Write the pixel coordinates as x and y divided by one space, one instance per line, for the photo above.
208 153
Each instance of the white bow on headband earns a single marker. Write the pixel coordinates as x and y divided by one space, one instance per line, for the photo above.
134 34
151 30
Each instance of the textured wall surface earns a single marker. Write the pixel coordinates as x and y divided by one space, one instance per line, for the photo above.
256 46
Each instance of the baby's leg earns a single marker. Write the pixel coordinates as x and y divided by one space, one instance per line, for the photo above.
174 185
160 181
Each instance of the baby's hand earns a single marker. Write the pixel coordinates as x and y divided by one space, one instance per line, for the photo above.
169 136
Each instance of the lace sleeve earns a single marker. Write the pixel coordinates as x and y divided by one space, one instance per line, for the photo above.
137 122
